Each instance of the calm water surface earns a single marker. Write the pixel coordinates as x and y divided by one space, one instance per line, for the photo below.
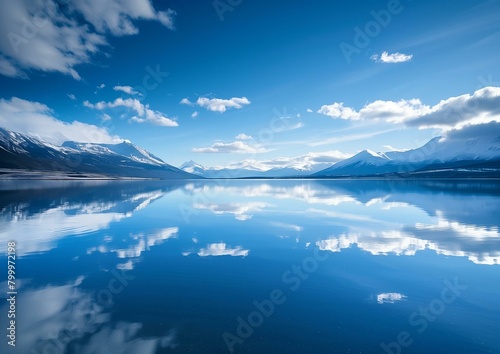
253 266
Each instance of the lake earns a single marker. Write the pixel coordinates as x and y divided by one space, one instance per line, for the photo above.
252 266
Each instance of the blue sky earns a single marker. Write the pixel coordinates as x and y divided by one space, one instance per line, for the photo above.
262 82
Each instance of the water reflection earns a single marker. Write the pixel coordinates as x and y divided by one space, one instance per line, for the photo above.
65 318
45 215
118 267
241 211
379 217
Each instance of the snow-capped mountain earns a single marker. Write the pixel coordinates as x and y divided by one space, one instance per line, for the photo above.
24 152
248 172
124 149
193 167
454 151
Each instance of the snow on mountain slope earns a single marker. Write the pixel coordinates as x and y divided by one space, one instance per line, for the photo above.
20 151
193 167
461 147
123 149
245 172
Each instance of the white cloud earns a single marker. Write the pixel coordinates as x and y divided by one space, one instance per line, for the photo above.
42 36
392 111
186 101
105 117
195 114
59 43
309 110
72 96
481 107
221 105
243 136
127 89
143 112
221 249
36 118
397 57
9 70
234 147
337 110
116 16
101 86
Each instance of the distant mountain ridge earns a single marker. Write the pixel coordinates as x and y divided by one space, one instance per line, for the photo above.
200 170
453 156
479 153
24 152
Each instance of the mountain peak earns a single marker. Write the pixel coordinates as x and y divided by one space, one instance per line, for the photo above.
118 160
368 152
191 166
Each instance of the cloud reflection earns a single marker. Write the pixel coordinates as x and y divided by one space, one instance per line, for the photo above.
241 211
221 249
41 229
71 318
137 244
404 243
380 217
389 298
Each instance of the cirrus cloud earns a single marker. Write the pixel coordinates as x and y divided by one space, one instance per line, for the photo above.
233 147
397 57
127 89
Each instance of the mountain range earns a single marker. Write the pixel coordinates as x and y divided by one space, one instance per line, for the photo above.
447 157
25 153
440 157
456 155
248 172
